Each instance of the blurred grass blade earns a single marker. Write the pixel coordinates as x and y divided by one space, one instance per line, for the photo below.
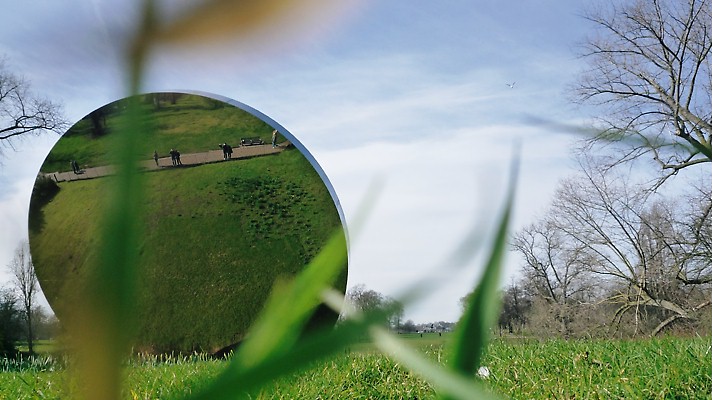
706 151
365 208
470 337
104 321
103 324
270 346
237 382
289 307
446 382
213 20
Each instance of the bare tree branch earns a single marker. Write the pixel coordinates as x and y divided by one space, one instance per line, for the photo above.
22 112
650 71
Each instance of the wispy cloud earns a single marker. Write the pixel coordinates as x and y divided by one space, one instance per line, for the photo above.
349 101
435 191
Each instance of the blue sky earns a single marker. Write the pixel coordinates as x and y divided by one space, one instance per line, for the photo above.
413 94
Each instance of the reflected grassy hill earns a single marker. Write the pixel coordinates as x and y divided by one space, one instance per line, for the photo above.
216 237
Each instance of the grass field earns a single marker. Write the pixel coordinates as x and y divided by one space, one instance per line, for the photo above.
667 368
39 346
215 239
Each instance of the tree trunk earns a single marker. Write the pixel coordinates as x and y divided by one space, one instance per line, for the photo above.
30 334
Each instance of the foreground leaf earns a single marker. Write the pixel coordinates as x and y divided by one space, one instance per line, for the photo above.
103 324
445 381
472 333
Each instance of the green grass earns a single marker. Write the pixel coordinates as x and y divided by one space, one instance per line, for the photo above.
215 239
666 368
652 369
39 346
360 375
193 124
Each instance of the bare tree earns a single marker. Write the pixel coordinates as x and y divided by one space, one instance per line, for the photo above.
395 310
22 112
26 284
371 302
555 269
554 263
364 299
644 248
697 227
516 304
651 71
98 121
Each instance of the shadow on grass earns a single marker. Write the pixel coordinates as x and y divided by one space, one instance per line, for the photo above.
44 191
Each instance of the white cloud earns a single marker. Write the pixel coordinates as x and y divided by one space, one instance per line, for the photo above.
434 193
13 214
17 176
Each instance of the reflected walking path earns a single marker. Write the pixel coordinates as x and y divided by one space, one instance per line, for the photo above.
189 159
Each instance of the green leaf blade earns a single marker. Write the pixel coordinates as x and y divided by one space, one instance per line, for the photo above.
471 336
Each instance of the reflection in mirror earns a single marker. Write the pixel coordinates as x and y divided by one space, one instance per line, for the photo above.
232 202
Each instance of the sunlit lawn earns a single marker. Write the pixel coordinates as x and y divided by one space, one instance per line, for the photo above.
520 369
